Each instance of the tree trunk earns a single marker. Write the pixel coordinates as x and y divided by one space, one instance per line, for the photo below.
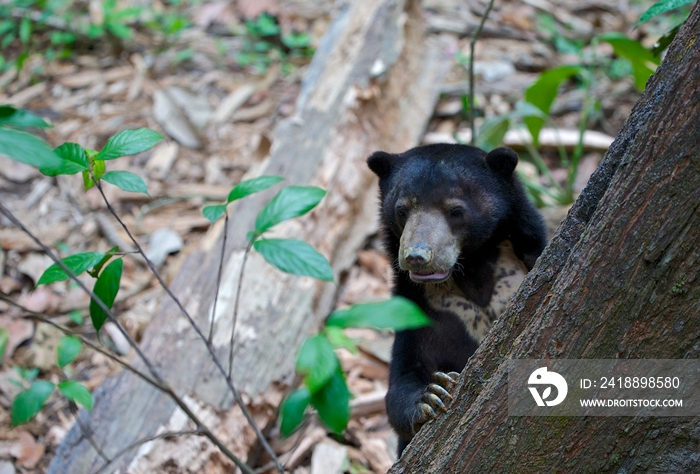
372 84
618 281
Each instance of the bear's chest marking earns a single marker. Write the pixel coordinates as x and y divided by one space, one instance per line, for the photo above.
509 273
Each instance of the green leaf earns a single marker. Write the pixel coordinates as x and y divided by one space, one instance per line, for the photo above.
397 313
77 392
542 93
643 61
27 149
77 264
492 131
317 362
98 169
9 116
68 349
332 403
296 257
4 339
293 408
290 202
74 153
76 316
336 336
660 7
664 42
129 142
27 374
28 402
95 271
106 289
213 213
127 181
25 30
251 186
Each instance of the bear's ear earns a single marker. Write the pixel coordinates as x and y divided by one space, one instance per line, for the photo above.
381 163
502 160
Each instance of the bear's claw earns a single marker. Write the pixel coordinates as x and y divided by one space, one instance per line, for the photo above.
435 397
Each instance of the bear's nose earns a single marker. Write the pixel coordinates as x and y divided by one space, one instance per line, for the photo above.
419 254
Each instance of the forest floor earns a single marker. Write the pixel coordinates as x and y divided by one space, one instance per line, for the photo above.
217 117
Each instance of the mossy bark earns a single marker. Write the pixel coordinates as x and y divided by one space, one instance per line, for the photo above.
619 280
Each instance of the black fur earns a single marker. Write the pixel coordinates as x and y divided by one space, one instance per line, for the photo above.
430 174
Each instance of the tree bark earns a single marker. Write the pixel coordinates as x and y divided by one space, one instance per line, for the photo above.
373 84
618 281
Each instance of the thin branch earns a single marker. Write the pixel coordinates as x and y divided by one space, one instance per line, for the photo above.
218 278
472 44
167 434
210 347
235 309
86 432
163 384
70 332
94 297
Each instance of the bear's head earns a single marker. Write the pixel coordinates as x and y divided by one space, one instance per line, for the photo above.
443 203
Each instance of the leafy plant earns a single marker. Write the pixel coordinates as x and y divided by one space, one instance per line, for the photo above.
56 28
29 402
264 45
324 386
71 158
633 59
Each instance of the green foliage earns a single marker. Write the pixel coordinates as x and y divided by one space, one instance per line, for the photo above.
95 271
78 263
332 402
18 118
68 349
293 409
126 181
542 93
28 149
290 202
106 288
56 28
71 158
295 256
661 7
74 160
4 339
29 402
643 61
317 362
396 313
77 393
324 384
129 142
241 190
252 186
263 45
214 213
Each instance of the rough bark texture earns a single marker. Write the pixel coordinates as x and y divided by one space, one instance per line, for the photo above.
372 85
603 288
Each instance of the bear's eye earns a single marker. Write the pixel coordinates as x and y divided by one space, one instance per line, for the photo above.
401 212
457 211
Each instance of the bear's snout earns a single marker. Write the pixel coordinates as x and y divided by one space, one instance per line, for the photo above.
419 255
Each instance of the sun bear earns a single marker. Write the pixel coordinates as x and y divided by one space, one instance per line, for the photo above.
461 235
